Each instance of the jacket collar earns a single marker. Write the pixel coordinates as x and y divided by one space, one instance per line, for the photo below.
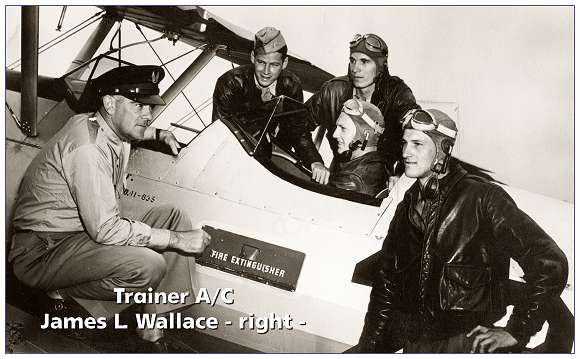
456 173
446 184
105 129
373 156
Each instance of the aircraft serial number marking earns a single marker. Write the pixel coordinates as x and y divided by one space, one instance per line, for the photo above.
142 196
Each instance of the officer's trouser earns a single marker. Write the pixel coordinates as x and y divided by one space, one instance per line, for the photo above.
86 271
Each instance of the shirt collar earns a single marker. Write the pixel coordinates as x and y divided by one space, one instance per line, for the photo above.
271 88
105 129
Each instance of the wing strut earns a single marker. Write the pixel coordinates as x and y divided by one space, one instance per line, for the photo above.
167 69
60 38
189 74
91 45
29 78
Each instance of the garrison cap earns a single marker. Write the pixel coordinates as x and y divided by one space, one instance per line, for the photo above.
138 83
269 39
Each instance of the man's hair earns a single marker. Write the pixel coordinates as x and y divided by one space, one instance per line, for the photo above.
283 51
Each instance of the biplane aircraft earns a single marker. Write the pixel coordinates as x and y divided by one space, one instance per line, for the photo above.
285 245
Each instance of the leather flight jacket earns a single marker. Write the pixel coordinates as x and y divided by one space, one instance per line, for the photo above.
236 98
365 174
392 96
450 272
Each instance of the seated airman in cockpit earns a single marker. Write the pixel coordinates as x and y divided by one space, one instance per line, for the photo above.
368 79
358 166
243 95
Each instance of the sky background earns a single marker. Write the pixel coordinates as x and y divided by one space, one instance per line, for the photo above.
507 70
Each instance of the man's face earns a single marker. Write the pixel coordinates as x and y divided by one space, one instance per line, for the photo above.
418 154
344 132
130 118
267 67
362 69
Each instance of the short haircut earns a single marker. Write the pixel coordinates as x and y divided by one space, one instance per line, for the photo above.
283 51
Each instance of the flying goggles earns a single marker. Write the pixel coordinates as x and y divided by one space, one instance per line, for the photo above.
349 109
423 121
372 43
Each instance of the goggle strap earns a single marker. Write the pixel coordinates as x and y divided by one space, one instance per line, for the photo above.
446 131
375 126
422 126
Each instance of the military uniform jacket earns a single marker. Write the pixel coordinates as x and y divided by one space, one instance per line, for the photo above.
74 184
450 271
365 174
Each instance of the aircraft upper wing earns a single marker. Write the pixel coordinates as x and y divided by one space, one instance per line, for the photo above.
197 26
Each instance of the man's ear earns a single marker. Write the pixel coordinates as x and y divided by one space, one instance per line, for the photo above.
285 63
252 56
109 104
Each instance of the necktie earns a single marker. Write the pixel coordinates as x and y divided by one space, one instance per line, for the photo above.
266 94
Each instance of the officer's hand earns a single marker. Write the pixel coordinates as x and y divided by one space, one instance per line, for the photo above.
488 340
168 138
320 173
189 242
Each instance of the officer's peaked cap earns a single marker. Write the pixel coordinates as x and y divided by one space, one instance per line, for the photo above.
138 83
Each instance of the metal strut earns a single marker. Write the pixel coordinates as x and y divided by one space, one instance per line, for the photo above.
29 79
186 77
167 70
57 40
170 94
61 20
91 45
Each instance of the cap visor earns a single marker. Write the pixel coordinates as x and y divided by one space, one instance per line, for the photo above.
150 100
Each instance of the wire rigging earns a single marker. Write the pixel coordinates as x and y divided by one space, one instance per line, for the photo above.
183 55
169 73
60 38
99 15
